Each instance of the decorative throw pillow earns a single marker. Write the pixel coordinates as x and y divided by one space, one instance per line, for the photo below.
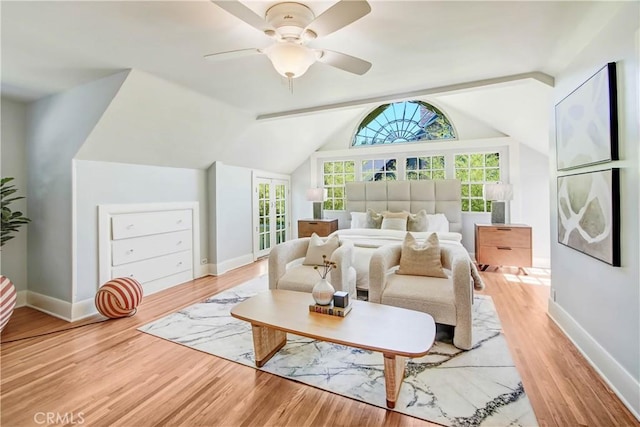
437 223
374 219
418 221
394 221
421 260
318 247
358 220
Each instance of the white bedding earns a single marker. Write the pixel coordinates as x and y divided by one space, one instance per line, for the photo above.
366 240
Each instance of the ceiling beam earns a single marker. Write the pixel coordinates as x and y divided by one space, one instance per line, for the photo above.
536 75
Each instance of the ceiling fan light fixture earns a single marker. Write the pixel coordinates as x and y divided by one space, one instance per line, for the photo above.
291 60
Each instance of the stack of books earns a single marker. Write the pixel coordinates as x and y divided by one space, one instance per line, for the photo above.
330 309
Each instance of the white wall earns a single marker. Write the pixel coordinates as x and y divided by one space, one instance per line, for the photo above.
596 304
99 183
531 202
57 127
231 217
300 206
14 163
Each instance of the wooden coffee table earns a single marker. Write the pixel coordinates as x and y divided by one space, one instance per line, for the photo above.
397 333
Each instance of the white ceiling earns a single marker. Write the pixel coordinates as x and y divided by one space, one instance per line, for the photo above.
51 46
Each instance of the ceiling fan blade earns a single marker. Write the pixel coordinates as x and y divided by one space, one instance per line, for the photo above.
243 13
345 62
232 54
339 15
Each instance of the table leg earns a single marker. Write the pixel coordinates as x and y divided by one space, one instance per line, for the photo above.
393 376
266 343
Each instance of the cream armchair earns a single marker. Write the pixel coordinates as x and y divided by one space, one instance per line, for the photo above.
447 300
287 272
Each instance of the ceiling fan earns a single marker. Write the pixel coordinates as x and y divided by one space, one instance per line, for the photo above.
292 25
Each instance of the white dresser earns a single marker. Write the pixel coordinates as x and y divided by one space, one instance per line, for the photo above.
156 244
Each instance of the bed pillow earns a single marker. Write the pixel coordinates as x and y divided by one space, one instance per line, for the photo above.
318 247
438 223
418 221
374 219
394 221
358 220
421 260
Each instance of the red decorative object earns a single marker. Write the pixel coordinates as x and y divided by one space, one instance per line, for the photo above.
119 297
7 300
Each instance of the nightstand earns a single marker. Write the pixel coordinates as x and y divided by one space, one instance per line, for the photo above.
322 227
503 244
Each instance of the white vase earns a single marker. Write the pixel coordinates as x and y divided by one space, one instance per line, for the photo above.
323 292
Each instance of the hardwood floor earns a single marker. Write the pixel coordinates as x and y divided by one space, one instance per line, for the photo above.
109 374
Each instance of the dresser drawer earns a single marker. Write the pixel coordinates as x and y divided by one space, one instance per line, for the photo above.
321 227
139 248
513 237
504 255
155 268
142 224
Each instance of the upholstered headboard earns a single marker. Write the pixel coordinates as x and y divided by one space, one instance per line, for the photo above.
434 196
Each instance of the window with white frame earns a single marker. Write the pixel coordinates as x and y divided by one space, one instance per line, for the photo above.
403 122
424 167
379 170
474 170
335 174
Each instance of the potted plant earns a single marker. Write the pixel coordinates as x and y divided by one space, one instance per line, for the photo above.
11 221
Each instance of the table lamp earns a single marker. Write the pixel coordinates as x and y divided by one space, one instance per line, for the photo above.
499 194
317 196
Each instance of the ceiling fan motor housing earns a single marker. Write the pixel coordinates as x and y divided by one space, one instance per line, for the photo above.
290 20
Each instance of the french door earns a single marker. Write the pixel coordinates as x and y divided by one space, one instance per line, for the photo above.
271 218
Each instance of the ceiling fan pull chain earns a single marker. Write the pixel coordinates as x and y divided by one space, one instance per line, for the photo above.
290 80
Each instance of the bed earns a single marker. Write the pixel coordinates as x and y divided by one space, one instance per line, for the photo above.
441 199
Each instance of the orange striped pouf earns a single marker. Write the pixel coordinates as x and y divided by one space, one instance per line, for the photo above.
7 301
119 297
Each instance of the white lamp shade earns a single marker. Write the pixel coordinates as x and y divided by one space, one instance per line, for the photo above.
498 191
290 59
316 194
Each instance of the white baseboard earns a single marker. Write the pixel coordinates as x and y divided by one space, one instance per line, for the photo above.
224 266
21 298
50 305
541 262
615 375
202 270
82 309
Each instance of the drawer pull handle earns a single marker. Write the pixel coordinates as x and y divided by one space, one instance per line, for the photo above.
179 221
503 229
312 223
129 227
504 248
180 263
179 242
131 275
130 251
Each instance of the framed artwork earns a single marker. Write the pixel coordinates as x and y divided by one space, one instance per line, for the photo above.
589 214
587 122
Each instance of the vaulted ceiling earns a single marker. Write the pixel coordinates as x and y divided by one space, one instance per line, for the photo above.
493 61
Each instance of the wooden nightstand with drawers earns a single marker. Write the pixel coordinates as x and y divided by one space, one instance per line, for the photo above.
503 244
322 227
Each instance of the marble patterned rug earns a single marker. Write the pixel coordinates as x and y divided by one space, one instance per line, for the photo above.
448 386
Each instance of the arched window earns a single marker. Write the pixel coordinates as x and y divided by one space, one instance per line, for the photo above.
400 122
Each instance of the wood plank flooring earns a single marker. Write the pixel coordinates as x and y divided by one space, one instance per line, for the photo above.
109 374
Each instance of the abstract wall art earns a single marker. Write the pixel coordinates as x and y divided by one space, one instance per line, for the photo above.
587 122
589 214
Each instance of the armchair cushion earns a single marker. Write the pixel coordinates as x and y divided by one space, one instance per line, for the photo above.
421 260
318 247
301 278
409 292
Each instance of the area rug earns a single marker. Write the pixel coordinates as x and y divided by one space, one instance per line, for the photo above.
479 387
